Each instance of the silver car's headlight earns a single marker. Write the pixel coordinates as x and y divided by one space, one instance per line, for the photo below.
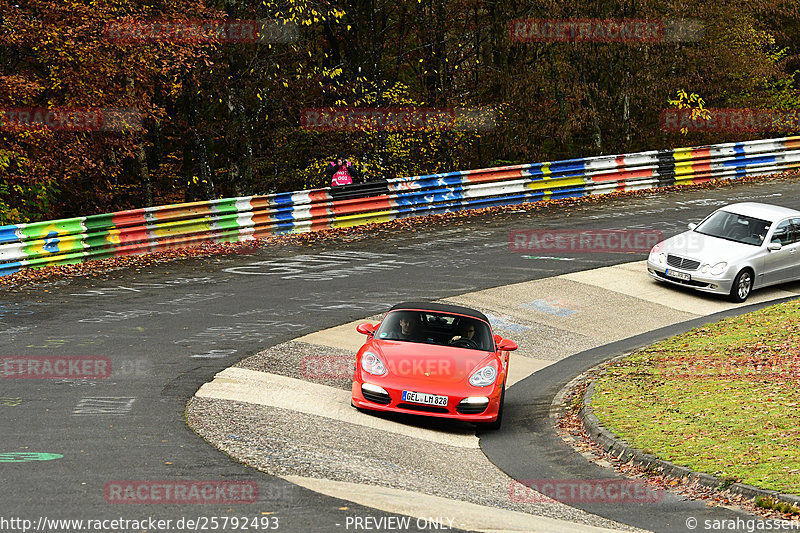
658 257
715 269
483 377
372 364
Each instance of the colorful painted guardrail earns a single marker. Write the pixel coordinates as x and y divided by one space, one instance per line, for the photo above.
151 229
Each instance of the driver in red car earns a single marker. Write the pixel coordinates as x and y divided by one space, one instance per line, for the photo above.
467 332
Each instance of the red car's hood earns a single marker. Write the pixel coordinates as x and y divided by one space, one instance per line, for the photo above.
426 362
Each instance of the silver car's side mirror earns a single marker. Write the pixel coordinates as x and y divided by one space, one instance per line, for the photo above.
692 225
774 246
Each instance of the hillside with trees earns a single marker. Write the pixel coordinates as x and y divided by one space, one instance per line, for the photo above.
222 118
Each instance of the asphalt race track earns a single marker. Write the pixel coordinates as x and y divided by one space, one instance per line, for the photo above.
170 329
285 411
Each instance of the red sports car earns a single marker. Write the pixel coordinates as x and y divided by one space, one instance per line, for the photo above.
434 360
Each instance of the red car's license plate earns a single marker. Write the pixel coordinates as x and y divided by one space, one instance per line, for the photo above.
427 399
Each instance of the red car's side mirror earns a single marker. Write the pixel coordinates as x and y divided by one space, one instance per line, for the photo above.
507 345
366 328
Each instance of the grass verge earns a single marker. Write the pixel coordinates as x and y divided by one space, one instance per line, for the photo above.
722 399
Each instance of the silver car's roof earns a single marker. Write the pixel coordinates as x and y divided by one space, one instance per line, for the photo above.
767 212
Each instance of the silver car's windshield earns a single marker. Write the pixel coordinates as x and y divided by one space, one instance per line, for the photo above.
734 227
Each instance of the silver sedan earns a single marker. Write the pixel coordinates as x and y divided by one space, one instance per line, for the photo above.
734 250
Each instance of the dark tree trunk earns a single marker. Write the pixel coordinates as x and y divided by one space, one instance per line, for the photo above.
144 175
203 166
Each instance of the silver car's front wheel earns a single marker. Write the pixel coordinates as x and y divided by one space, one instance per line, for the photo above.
742 285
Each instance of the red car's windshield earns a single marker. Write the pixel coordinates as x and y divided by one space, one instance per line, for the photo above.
436 328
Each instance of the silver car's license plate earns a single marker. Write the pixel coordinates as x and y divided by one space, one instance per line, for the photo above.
679 275
427 399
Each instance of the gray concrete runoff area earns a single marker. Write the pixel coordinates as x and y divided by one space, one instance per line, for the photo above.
270 412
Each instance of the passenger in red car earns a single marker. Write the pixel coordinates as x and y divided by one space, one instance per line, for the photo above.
409 327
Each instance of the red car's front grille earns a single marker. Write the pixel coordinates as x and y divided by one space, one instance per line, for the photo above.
376 397
471 409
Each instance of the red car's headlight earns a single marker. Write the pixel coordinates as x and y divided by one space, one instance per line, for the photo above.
372 364
484 376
